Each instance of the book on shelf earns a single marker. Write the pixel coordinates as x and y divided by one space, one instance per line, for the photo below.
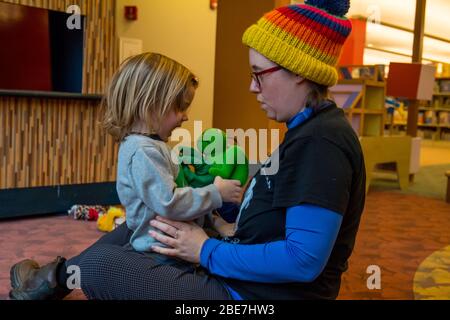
446 102
366 72
445 135
421 134
436 87
346 74
425 134
351 98
429 117
421 117
444 85
444 118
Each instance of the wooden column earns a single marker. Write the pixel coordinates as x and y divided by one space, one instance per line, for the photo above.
419 30
447 197
413 113
234 105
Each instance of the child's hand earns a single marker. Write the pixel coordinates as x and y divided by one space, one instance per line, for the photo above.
230 190
224 228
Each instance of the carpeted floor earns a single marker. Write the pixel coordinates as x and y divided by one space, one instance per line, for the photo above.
42 239
398 232
430 181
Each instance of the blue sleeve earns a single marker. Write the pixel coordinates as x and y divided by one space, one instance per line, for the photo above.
311 232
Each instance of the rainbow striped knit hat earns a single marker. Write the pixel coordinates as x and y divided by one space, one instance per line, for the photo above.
306 39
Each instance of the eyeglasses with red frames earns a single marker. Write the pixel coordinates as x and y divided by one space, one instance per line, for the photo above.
255 75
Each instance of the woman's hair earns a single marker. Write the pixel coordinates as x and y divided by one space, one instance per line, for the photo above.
317 95
146 87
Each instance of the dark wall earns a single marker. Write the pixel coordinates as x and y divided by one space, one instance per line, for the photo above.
38 51
57 199
25 48
66 54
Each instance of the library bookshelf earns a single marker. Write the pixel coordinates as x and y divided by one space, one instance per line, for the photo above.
433 118
361 92
362 98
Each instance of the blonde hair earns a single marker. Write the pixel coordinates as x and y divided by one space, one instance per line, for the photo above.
146 87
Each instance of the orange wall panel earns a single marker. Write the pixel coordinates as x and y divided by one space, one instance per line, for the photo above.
353 50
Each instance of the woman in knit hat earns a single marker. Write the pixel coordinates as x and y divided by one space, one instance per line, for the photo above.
297 226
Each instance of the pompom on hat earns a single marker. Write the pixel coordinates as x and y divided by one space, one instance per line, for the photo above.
306 39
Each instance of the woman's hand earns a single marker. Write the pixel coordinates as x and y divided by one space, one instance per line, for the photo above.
185 239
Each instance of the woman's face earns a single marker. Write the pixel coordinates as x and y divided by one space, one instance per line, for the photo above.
176 116
281 94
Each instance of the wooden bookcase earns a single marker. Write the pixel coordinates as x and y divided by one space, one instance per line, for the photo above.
434 116
361 93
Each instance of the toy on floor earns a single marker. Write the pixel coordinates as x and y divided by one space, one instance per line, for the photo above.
87 213
111 219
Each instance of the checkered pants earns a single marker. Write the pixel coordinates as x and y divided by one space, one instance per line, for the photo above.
111 269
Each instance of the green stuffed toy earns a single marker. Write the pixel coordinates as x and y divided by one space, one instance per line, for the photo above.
214 159
199 176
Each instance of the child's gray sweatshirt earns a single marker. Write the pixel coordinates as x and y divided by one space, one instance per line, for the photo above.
146 188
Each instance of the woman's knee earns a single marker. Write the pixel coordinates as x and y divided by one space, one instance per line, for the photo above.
98 268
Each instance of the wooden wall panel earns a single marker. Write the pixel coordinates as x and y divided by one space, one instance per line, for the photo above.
240 109
53 142
101 44
48 142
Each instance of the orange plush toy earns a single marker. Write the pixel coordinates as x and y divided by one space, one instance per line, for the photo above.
108 221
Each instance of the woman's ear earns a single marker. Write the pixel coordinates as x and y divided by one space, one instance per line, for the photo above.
299 79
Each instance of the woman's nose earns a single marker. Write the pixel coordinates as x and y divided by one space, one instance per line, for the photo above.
254 88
